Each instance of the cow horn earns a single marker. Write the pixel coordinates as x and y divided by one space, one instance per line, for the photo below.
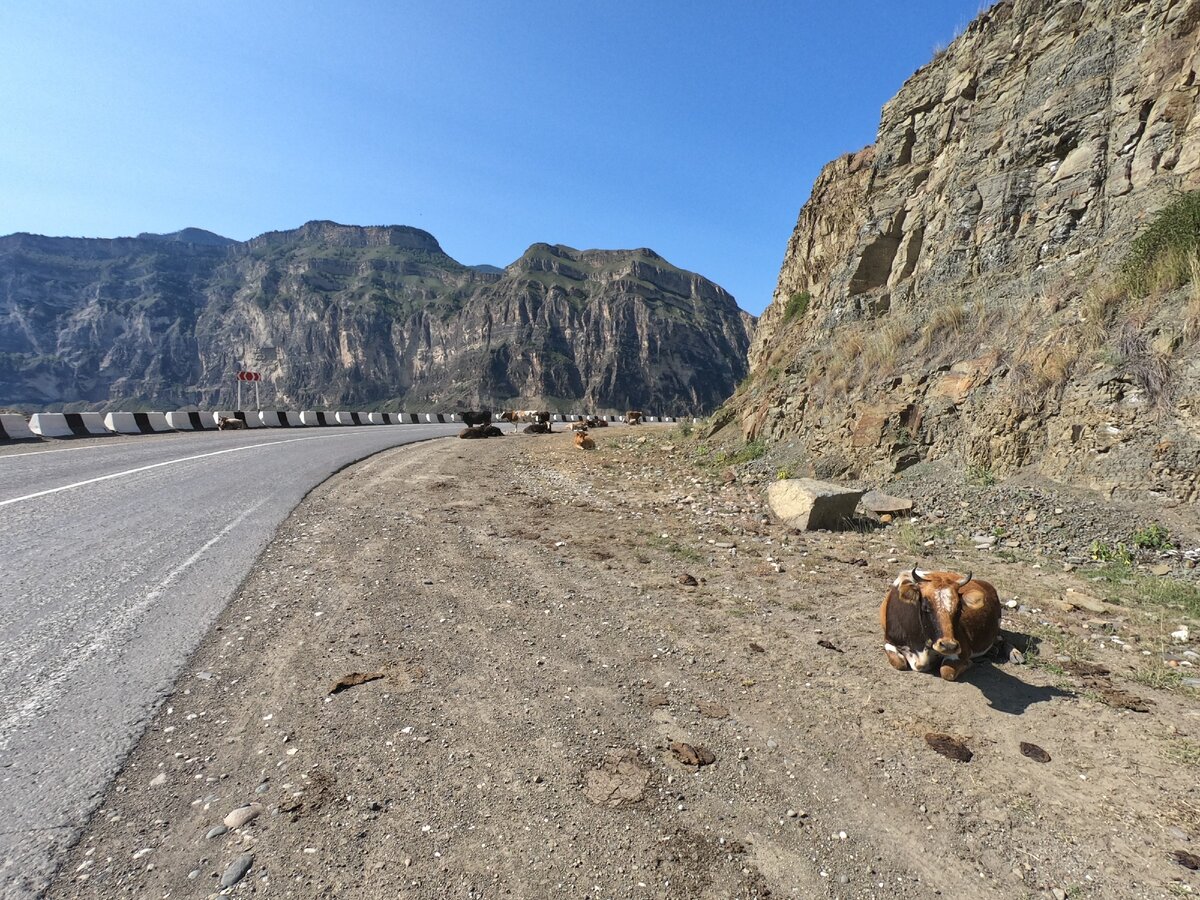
917 579
967 580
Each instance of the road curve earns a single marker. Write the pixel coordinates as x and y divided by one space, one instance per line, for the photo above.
116 555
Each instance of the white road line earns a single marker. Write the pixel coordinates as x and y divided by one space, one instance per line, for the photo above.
169 462
48 688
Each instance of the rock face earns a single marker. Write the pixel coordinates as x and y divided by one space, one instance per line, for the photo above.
336 315
946 291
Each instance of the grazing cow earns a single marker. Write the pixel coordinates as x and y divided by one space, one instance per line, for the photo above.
525 415
932 618
633 417
584 441
539 428
229 423
476 417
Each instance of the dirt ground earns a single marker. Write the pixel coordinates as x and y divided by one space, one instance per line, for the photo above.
540 657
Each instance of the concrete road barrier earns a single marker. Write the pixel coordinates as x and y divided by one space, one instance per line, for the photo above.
352 418
249 417
13 427
377 419
192 420
67 424
136 423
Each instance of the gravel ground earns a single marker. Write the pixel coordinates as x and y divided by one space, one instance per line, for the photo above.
550 675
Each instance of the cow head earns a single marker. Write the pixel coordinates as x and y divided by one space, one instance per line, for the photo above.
941 598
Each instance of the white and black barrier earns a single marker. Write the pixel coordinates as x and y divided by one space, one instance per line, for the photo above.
353 418
67 424
251 420
192 421
13 427
273 418
136 423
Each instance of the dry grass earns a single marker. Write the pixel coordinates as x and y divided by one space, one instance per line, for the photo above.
1191 311
1098 311
1150 369
945 322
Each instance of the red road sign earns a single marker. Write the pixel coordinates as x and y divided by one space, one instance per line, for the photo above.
249 376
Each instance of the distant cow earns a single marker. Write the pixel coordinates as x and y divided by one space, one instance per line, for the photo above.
938 618
229 423
476 417
633 417
525 415
584 441
596 422
539 428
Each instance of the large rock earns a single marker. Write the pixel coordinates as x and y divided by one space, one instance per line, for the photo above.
809 504
882 504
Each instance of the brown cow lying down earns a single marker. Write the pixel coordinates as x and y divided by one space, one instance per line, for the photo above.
225 423
539 428
633 417
938 619
584 441
596 422
480 431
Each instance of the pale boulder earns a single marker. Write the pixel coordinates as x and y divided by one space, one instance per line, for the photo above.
808 504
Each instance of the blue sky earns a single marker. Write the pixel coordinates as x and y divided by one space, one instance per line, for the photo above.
694 128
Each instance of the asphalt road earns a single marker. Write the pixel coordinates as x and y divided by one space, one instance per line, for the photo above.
116 555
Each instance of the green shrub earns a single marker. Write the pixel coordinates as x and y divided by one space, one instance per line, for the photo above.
1114 553
1159 257
1152 537
752 451
797 305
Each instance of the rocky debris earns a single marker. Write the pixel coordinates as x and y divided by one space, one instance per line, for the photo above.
619 780
1187 860
949 747
687 580
1034 752
354 679
690 755
237 870
828 645
242 815
713 710
808 504
1079 600
881 504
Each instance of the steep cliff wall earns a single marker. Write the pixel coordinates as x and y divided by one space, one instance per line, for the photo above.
952 290
336 315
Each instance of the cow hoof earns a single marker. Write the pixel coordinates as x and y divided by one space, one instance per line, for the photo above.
949 673
898 662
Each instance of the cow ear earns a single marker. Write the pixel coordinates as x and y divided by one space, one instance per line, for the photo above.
973 599
910 593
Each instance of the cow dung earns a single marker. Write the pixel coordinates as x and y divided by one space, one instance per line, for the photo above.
687 580
949 747
353 680
1187 860
1034 752
619 780
692 756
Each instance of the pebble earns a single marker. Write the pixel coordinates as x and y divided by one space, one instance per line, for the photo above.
791 813
242 815
1059 894
216 831
159 779
194 874
237 870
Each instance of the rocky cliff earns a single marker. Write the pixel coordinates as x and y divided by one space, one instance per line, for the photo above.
960 288
336 315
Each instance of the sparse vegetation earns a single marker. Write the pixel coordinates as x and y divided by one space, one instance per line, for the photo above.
783 474
1163 256
1152 537
797 305
981 476
752 451
1111 553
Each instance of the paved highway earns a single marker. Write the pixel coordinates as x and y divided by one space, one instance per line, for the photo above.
116 555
